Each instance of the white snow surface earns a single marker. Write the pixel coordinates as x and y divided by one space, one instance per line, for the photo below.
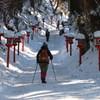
73 82
80 36
97 34
70 34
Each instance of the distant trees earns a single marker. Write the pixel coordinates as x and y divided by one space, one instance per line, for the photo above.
88 17
90 9
35 3
58 4
76 5
9 8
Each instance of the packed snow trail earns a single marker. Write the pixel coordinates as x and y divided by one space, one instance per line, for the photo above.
74 82
30 65
66 87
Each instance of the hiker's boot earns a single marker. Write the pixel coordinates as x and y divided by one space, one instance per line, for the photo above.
43 80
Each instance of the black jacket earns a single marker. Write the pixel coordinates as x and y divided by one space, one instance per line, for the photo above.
47 33
48 51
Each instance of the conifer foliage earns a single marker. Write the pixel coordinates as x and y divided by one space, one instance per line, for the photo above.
9 8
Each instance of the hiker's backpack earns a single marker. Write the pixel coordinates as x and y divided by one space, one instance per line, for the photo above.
43 57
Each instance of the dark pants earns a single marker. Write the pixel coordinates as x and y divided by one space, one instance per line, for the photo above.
47 38
44 68
58 27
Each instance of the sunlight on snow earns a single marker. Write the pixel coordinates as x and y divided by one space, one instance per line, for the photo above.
1 60
54 52
15 68
29 52
37 93
70 98
44 94
77 81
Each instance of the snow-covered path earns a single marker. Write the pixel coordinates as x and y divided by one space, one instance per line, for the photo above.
74 82
67 87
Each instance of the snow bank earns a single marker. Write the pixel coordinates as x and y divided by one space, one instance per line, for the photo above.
97 34
80 36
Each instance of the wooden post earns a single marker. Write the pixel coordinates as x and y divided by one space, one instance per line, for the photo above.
80 46
8 44
67 45
99 57
81 41
14 54
80 55
18 47
71 42
8 56
0 41
67 40
51 17
23 38
97 45
70 49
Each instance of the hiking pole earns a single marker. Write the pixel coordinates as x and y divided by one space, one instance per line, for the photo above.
34 72
53 71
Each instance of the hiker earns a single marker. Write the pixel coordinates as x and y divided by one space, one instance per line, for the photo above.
58 23
43 58
62 23
47 35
